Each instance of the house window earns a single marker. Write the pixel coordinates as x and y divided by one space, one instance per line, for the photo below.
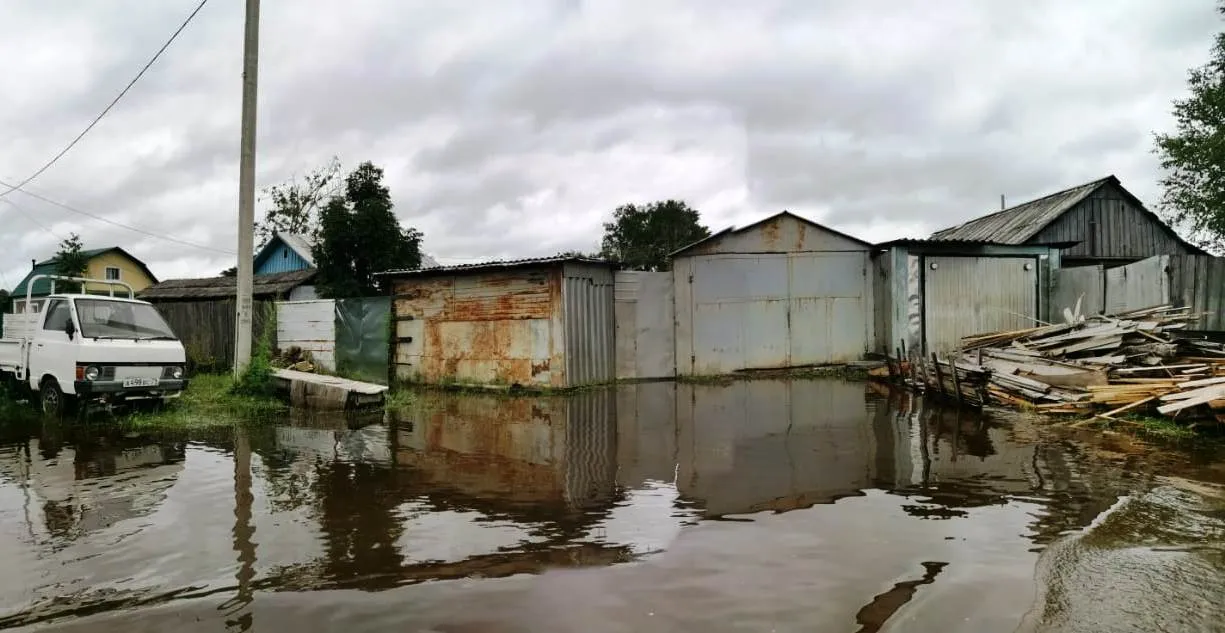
112 273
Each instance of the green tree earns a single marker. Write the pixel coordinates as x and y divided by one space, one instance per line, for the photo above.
70 262
232 271
1193 157
577 253
641 236
296 203
359 235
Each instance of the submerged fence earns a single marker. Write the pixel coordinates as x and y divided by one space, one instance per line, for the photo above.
1194 281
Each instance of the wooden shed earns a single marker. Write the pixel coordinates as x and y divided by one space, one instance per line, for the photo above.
1105 222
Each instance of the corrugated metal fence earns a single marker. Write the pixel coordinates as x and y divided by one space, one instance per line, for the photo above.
1195 281
588 309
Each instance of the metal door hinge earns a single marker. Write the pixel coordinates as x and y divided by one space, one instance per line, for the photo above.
690 278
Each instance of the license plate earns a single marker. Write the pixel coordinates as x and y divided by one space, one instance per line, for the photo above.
139 382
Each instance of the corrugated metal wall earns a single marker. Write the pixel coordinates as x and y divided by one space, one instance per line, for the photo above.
1108 225
974 295
587 292
1085 284
591 448
644 315
310 325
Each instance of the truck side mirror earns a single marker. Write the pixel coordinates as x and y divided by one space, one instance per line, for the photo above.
70 329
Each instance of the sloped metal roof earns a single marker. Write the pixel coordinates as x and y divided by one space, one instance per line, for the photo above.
494 265
299 244
1018 224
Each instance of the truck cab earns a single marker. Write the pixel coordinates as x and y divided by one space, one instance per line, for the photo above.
83 349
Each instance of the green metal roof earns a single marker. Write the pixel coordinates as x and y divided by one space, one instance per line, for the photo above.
42 287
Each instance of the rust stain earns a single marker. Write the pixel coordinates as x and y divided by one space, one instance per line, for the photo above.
770 233
801 234
475 327
490 446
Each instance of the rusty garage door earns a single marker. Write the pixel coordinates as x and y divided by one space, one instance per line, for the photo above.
975 295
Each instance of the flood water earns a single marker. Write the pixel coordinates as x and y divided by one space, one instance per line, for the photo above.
755 506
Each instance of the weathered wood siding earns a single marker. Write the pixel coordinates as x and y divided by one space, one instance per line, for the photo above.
1109 225
1194 281
1198 281
207 329
310 325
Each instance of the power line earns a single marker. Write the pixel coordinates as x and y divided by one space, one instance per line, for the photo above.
104 112
109 221
31 218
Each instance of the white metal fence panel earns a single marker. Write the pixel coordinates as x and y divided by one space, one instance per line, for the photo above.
311 326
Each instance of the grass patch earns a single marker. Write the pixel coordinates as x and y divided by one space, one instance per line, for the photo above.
210 400
1148 426
400 398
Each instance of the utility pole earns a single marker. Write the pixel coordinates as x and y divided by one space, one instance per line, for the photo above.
246 191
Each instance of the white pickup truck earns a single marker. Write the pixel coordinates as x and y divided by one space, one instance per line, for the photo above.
91 349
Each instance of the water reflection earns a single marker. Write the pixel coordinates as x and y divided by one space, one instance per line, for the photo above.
803 480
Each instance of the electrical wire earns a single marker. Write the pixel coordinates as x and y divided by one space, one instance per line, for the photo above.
113 223
29 216
104 112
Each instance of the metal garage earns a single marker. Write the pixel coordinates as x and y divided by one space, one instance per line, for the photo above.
931 293
782 292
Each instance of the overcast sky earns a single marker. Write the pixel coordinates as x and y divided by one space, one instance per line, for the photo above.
512 129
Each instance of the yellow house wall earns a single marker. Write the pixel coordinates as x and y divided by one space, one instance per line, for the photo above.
129 272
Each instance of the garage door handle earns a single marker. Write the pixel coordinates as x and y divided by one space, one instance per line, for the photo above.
39 345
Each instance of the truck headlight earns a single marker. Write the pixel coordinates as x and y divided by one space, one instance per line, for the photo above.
92 373
176 373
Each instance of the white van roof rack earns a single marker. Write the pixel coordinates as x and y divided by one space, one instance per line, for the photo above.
83 281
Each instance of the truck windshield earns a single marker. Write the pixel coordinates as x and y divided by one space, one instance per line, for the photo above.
102 318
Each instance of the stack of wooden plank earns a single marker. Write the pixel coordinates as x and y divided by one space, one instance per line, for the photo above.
1134 361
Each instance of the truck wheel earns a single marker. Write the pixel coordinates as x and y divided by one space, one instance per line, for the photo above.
51 397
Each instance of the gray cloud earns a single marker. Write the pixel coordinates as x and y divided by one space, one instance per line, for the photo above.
514 130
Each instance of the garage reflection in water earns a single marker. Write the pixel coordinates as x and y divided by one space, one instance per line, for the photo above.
754 505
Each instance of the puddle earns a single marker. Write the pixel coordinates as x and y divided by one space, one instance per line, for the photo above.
765 505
